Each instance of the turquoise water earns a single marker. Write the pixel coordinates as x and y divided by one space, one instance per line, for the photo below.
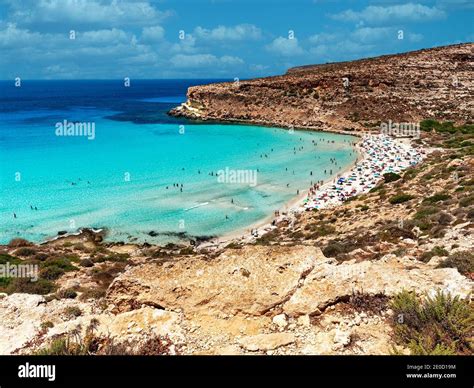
123 179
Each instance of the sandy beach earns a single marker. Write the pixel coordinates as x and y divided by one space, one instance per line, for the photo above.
378 154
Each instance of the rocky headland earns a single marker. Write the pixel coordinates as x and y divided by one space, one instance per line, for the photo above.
350 96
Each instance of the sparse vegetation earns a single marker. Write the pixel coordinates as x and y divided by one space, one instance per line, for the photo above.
25 251
67 293
438 325
72 312
424 212
25 285
466 201
436 251
92 293
335 249
76 344
368 303
400 198
446 127
391 177
19 242
438 197
462 260
46 325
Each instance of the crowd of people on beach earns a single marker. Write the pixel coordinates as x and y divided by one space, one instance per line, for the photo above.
382 155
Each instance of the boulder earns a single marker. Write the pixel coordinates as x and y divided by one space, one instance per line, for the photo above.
328 283
271 276
280 320
265 342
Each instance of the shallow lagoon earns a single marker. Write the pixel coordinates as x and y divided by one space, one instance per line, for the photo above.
129 177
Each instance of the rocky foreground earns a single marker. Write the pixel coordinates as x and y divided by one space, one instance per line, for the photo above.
407 87
388 271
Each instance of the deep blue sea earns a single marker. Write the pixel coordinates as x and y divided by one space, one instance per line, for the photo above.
143 172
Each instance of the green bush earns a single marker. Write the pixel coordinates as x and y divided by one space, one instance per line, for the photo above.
320 229
67 293
74 344
59 347
19 242
4 282
72 312
86 263
47 325
4 259
441 324
376 188
466 201
25 251
436 251
391 177
63 263
41 256
334 249
116 257
410 173
51 272
438 197
424 212
446 127
400 198
463 261
25 285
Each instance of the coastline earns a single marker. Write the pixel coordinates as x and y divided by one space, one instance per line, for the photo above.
286 213
288 209
296 205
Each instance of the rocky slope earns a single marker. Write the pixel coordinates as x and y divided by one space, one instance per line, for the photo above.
434 83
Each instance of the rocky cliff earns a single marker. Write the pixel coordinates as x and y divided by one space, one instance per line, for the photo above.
434 83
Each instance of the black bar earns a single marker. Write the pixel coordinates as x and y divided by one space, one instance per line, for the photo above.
378 370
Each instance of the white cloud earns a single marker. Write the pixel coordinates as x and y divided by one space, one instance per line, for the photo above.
393 13
12 36
231 61
152 34
373 34
323 38
285 47
124 12
203 60
184 46
234 33
112 36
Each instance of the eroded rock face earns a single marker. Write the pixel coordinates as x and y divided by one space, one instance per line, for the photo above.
20 320
404 87
329 283
255 279
251 280
22 316
258 299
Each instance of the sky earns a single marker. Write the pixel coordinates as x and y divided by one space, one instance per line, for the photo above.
153 39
